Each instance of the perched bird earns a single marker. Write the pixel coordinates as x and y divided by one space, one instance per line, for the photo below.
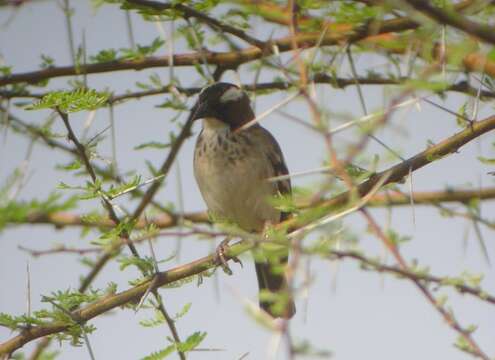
232 167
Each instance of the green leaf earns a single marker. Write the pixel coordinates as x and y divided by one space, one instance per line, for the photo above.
70 299
75 165
126 187
71 101
491 54
141 51
174 103
108 238
6 70
156 321
18 211
46 61
19 322
184 311
105 55
463 345
396 238
486 161
305 348
49 355
436 86
152 145
192 341
462 115
145 264
8 321
162 354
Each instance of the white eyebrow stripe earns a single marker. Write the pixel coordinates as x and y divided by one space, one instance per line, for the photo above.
231 94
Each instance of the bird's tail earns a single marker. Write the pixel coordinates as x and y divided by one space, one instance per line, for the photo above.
274 283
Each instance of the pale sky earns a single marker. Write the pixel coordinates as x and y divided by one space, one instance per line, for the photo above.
353 314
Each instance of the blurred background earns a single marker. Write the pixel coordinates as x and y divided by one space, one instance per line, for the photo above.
347 311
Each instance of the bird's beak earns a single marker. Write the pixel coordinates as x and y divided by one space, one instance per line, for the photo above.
200 111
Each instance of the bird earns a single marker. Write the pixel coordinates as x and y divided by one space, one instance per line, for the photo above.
233 163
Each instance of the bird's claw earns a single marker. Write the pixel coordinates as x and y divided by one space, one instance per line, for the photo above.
221 258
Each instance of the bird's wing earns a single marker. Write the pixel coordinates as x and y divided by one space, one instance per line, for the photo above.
268 279
274 154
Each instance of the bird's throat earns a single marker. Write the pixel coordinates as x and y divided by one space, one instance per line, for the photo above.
214 124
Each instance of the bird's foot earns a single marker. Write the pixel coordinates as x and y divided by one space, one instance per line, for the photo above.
221 258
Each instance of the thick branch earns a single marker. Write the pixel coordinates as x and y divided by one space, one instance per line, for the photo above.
454 19
231 59
62 219
391 198
400 171
181 272
394 198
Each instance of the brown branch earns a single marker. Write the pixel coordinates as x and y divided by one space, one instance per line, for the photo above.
394 198
414 275
395 173
189 12
402 170
81 150
391 198
231 59
62 249
58 250
319 78
453 18
63 219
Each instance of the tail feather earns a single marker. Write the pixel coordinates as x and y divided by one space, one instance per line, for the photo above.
268 280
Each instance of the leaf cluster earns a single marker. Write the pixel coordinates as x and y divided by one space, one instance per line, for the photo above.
71 101
12 211
191 343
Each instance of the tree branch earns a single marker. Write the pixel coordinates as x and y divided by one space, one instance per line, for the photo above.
190 12
400 171
414 275
391 198
231 59
319 78
454 19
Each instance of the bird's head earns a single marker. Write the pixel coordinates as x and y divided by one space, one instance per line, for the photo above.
223 102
